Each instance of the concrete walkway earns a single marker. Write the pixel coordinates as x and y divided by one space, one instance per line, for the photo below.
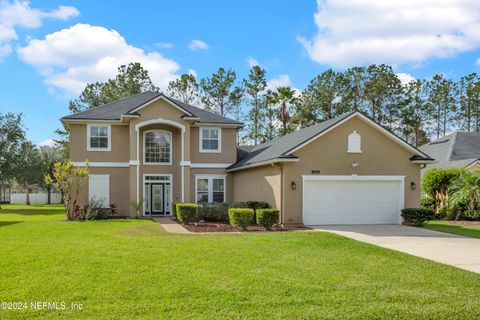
170 225
454 250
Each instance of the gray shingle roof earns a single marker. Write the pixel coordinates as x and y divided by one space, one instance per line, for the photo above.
281 147
114 110
457 149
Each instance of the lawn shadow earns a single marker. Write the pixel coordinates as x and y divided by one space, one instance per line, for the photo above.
7 223
33 211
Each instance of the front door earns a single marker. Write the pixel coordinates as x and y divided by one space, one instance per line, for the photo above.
159 198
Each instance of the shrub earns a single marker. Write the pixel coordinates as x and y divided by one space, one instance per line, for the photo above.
417 216
186 212
174 210
472 214
255 205
240 217
465 194
112 211
427 203
214 212
267 217
137 206
436 182
238 204
94 210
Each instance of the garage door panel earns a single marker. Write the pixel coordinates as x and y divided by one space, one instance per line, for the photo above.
351 202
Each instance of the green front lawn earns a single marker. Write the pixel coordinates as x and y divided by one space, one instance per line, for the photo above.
132 269
445 226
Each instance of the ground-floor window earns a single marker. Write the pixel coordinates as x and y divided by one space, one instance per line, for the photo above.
99 188
209 188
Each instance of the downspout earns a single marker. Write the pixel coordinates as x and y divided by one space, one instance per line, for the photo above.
183 165
282 201
138 169
282 196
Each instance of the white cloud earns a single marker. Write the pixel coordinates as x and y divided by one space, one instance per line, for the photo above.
20 14
192 72
49 142
379 31
405 78
282 80
72 57
252 62
196 44
164 45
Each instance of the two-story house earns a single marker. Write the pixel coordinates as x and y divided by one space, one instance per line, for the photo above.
160 150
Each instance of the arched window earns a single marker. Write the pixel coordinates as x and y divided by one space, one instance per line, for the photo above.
354 143
157 146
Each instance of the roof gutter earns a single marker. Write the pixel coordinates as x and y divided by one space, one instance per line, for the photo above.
262 163
218 124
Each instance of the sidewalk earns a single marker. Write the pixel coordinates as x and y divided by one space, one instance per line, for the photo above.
170 225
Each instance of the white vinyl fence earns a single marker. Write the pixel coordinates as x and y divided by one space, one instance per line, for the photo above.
35 198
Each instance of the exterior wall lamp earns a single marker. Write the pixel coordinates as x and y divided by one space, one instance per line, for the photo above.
413 186
293 185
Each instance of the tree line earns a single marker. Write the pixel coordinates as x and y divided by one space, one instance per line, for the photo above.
417 111
21 162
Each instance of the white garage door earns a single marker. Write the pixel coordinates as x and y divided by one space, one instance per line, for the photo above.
352 199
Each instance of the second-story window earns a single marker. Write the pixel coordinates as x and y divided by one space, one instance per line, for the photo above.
210 139
98 137
157 147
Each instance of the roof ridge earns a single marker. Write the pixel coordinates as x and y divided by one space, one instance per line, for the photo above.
452 146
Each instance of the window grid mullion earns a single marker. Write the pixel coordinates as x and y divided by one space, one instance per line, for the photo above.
210 190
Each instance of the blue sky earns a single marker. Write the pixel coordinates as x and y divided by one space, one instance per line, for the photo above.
50 49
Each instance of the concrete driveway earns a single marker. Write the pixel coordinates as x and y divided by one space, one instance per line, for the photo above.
458 251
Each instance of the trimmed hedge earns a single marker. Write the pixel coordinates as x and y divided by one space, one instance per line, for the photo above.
417 216
213 212
268 217
240 217
186 212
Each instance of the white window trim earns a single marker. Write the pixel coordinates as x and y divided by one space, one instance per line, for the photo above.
171 149
210 178
200 145
170 180
109 133
90 196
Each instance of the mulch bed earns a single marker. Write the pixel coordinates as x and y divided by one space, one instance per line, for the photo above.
465 223
224 227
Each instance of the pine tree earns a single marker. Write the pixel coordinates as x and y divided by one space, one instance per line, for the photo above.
254 89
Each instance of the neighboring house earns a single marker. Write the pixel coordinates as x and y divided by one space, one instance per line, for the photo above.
347 170
458 149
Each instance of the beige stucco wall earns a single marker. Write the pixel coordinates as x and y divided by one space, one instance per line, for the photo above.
123 183
119 188
380 156
118 153
261 184
228 148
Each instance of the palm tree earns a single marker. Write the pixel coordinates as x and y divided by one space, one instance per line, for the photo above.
466 189
284 97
